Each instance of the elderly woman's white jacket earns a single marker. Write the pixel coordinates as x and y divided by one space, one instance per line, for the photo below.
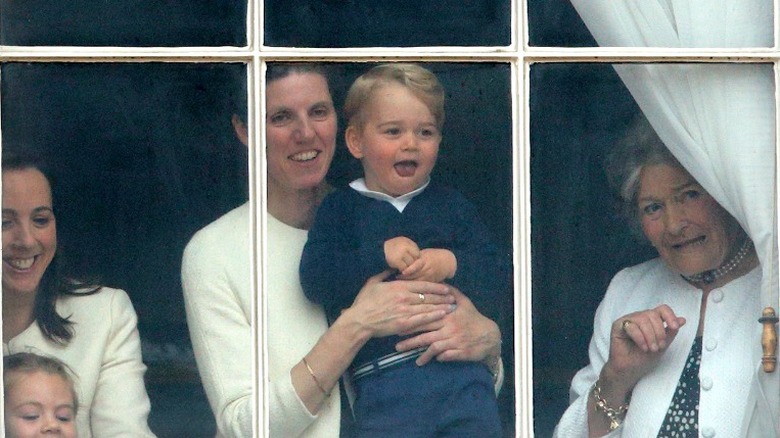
729 353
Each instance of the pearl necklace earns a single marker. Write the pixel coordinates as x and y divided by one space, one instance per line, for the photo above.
708 277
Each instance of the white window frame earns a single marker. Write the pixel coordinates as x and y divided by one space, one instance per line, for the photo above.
518 54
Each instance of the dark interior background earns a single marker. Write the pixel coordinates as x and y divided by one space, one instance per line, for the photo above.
397 23
555 23
138 23
143 156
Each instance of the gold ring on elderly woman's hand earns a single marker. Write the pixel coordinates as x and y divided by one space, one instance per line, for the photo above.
625 325
422 298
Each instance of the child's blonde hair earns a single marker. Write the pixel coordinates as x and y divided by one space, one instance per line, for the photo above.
18 364
420 81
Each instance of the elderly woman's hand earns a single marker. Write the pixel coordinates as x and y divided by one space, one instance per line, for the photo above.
389 308
463 335
638 340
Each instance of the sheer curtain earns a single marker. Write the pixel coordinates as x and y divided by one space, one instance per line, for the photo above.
717 119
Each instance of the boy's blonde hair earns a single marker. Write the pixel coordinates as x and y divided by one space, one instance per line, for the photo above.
420 81
18 364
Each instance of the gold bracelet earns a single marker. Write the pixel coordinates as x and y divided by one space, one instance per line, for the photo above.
314 377
615 415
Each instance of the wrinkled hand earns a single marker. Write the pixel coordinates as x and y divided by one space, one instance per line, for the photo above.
389 308
434 265
463 335
401 252
636 346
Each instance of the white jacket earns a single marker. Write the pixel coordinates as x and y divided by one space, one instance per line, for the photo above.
730 354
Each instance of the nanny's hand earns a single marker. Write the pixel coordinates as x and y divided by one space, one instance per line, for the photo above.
638 340
463 335
389 308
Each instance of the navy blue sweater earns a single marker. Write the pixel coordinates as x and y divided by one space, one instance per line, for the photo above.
346 247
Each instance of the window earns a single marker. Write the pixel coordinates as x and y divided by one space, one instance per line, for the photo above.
133 103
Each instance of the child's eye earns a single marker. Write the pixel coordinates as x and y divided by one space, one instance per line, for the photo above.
393 131
652 210
30 417
428 132
7 224
65 414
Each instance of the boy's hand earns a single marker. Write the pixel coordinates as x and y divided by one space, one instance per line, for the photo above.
400 252
434 265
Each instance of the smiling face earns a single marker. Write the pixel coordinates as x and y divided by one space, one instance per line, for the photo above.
29 230
300 132
39 404
397 142
690 230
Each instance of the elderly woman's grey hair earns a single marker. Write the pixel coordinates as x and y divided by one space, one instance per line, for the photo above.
639 147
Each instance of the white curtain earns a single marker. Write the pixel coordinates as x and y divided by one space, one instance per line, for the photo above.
717 119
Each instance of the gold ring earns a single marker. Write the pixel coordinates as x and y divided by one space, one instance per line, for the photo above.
625 324
422 298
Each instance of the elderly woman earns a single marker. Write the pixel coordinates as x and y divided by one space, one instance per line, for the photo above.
306 358
90 328
668 356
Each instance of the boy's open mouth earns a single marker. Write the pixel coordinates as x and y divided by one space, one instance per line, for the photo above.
406 168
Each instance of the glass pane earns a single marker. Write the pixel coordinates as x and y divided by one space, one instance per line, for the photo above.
572 225
555 23
718 24
126 23
474 158
143 156
583 234
404 23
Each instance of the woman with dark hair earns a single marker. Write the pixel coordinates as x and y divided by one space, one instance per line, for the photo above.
668 356
89 327
305 357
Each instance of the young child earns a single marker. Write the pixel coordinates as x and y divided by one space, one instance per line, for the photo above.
39 397
396 218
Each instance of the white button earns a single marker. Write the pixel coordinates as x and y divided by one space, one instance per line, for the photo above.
711 344
706 383
708 432
717 296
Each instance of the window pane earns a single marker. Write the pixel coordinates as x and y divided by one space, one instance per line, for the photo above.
577 112
651 24
144 156
123 23
475 158
581 236
555 23
403 23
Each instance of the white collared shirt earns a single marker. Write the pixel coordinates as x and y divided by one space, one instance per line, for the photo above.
399 203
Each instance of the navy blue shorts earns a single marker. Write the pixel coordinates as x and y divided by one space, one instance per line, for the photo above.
440 399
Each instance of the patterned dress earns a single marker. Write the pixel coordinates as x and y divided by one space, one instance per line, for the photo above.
682 418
